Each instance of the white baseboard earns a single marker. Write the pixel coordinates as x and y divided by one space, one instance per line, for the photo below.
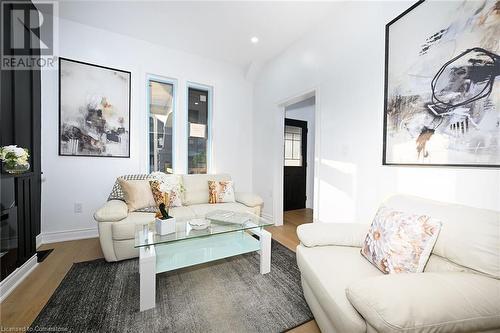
16 277
267 216
38 240
67 235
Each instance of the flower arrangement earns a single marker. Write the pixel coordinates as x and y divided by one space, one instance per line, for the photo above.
15 158
164 223
164 208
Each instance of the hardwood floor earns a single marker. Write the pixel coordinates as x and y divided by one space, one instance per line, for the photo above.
22 306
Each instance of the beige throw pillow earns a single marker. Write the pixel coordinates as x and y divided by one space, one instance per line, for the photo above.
137 194
398 242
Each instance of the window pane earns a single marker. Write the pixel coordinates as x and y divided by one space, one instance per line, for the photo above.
160 126
198 130
293 146
296 150
288 149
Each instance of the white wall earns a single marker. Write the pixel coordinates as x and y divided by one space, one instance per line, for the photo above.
88 180
305 111
344 59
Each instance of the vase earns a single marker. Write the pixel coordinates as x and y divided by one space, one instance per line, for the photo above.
16 168
165 227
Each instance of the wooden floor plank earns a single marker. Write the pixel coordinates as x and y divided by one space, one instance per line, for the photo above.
22 306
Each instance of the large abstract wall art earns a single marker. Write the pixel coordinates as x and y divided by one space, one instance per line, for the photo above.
442 85
94 110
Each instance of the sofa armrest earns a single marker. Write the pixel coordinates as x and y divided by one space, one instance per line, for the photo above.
248 199
428 302
339 234
111 211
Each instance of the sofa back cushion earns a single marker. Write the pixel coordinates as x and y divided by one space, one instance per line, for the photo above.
469 236
196 187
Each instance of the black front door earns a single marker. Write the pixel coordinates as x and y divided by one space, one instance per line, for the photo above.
294 192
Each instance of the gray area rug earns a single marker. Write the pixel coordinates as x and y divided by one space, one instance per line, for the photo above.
228 295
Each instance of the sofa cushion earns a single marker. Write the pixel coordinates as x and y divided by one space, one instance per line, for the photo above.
428 302
196 187
202 209
328 270
125 229
440 264
182 212
468 237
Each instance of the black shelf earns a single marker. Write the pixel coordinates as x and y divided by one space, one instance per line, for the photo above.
20 112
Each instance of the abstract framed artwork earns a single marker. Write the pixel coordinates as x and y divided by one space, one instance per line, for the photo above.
442 85
94 110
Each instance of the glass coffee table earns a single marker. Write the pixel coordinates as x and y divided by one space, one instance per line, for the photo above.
187 247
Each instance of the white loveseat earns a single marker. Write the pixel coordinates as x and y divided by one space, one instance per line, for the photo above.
459 290
117 225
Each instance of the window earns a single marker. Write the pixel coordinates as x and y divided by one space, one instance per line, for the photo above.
161 113
198 129
293 146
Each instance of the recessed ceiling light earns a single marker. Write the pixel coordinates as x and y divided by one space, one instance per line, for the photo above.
254 40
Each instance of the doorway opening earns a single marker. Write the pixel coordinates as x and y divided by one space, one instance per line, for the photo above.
298 161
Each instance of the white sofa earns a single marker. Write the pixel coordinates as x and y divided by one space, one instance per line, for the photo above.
117 225
459 290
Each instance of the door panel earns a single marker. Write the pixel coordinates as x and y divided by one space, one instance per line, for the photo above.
295 164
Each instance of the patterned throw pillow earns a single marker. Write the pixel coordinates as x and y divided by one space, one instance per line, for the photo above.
398 242
117 192
163 183
220 191
158 194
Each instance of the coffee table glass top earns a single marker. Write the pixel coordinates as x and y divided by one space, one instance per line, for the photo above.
220 222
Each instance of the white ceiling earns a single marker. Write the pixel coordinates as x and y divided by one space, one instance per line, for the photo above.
218 30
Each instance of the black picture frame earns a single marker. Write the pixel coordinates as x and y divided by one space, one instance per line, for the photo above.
60 60
386 83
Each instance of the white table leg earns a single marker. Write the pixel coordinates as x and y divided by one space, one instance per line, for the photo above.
265 251
147 272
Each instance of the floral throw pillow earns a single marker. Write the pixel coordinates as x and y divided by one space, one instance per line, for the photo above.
220 191
162 183
398 242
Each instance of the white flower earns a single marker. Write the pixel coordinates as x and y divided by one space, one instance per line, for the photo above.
20 154
10 148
